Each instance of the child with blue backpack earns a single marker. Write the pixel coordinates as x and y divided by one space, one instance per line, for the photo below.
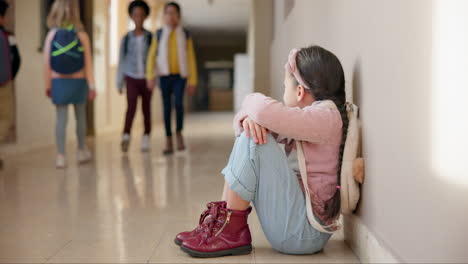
69 77
131 70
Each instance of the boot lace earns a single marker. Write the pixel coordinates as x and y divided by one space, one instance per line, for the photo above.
212 223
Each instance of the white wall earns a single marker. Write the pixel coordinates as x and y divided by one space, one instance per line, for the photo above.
242 79
35 113
109 105
405 63
258 46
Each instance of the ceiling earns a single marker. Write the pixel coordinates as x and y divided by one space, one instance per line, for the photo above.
216 15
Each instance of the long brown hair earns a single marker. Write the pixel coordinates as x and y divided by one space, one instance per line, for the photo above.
323 73
65 13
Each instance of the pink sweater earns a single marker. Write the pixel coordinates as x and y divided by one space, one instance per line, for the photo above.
320 130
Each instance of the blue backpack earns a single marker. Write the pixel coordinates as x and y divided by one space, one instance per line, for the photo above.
5 62
67 53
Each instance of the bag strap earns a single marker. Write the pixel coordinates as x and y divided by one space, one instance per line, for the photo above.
149 38
302 169
125 44
6 55
310 214
187 33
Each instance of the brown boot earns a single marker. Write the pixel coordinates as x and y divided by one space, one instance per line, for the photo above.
169 148
180 142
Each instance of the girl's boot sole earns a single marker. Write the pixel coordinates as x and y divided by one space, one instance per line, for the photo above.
244 250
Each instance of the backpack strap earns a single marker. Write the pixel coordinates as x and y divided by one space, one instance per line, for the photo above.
187 33
158 38
70 28
148 37
303 171
126 44
310 213
159 34
6 54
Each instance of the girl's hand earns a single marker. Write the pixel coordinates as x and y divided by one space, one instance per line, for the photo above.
191 89
91 94
150 84
258 133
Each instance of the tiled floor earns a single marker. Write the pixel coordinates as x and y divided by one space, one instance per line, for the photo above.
124 208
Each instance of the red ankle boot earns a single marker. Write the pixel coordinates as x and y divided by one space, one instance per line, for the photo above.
225 233
184 235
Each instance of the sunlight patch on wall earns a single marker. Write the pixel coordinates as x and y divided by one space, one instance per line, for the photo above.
450 90
114 33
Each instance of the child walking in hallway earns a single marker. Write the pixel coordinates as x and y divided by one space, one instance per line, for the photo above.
9 67
172 56
132 62
276 142
69 77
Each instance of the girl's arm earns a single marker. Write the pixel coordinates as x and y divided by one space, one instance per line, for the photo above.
193 75
313 123
238 127
46 54
237 123
151 59
83 36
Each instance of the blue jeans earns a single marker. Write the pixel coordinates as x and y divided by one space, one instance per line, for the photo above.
261 174
173 84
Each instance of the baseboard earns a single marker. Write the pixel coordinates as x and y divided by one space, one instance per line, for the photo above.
364 243
14 149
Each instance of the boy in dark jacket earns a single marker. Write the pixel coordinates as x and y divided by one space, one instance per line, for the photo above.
9 66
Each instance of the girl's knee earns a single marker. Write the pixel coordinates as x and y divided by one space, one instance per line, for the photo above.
249 140
244 140
271 147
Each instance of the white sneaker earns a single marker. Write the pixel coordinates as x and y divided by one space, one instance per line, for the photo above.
145 143
124 144
84 155
60 161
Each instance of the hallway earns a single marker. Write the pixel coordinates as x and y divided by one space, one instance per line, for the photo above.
404 65
125 208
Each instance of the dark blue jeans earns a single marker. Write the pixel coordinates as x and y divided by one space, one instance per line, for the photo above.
171 85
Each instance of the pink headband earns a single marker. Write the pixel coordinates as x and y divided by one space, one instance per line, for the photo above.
291 66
